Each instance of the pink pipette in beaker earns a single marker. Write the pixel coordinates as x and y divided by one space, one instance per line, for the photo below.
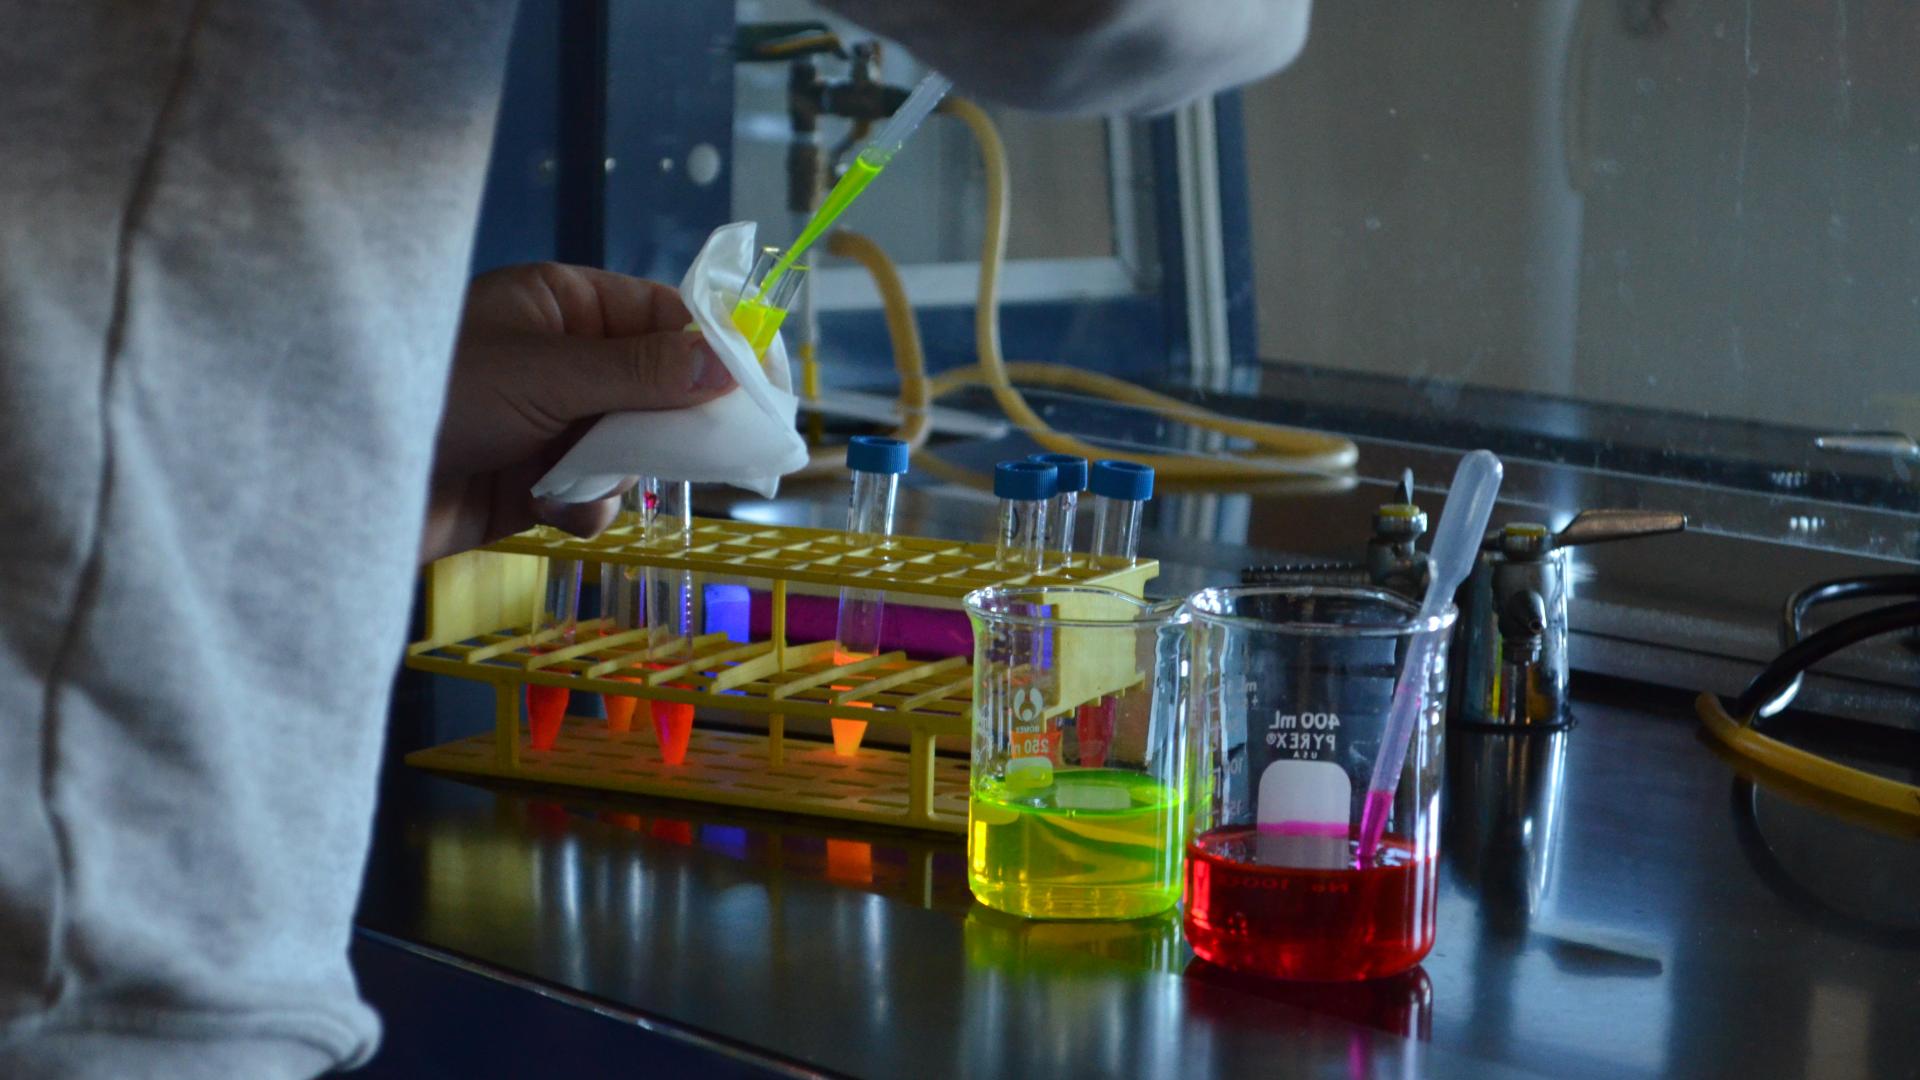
1456 542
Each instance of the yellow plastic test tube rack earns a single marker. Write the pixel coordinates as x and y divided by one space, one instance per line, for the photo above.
476 611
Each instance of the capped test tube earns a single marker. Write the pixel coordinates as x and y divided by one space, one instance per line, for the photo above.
1024 488
877 464
1119 488
1061 508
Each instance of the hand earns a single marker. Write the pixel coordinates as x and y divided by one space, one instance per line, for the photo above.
543 351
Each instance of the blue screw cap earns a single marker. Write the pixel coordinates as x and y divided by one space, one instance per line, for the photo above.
1122 480
1025 480
876 454
1072 470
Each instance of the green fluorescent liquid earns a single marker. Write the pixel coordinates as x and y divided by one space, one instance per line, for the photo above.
758 322
1094 844
849 187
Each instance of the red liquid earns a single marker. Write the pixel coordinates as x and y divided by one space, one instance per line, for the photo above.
673 724
547 817
1093 722
673 832
847 731
619 712
1292 922
1397 1004
850 861
620 708
545 706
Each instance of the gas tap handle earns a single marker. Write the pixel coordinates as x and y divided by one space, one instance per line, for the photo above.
1602 526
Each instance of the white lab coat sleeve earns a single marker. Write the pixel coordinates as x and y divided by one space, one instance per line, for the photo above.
1093 56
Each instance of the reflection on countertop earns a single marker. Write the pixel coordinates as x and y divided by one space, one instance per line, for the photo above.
1617 901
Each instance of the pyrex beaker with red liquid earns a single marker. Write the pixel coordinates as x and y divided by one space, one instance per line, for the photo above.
1289 703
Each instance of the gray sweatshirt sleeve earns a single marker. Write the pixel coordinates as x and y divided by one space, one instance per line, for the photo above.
236 237
1093 56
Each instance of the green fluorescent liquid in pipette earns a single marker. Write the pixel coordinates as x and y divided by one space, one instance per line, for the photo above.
851 184
1093 844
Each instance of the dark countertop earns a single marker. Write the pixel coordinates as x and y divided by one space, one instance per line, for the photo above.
1617 901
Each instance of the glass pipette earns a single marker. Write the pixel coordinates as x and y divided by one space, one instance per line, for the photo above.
873 158
1456 542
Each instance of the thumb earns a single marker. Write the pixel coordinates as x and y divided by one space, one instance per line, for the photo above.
587 519
667 370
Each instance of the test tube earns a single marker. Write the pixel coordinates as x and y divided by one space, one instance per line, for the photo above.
1061 508
1119 487
668 510
1023 488
877 464
623 607
761 309
556 608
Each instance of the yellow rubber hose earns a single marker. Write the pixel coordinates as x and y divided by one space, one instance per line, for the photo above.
1283 459
1864 789
1278 450
908 357
916 392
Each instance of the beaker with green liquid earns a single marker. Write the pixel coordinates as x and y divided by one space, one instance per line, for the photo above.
1078 801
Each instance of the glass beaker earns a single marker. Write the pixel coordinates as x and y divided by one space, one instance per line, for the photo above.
1061 826
1290 695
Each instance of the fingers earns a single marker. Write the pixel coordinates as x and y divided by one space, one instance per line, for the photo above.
586 378
601 303
581 519
577 301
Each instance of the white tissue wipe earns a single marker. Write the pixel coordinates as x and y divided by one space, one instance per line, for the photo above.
745 438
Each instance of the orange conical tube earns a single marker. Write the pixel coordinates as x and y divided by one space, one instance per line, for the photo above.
546 705
673 724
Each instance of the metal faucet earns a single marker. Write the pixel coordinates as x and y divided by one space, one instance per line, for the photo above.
1510 643
1392 561
1509 652
860 97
